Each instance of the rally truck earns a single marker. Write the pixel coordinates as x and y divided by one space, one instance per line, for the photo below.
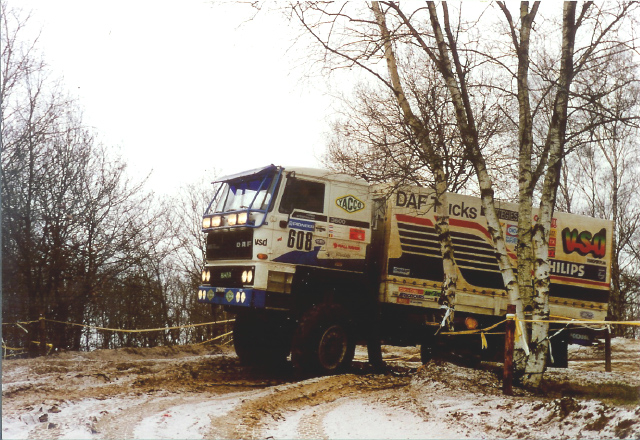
313 262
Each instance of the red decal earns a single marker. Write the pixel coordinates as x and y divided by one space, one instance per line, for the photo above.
356 234
414 220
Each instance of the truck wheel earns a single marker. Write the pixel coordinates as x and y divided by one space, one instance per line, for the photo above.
260 340
323 342
560 351
428 349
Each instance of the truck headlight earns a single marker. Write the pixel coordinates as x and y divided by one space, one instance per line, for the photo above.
206 222
206 276
242 218
215 221
232 219
247 276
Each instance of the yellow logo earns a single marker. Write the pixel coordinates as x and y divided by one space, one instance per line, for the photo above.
350 204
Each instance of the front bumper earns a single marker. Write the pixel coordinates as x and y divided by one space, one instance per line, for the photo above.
232 296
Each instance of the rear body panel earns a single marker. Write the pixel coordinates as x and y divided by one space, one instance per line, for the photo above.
579 249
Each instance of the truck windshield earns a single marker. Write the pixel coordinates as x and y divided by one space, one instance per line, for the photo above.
252 193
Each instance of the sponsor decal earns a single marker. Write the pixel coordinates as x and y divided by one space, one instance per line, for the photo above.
584 243
260 242
350 204
401 271
463 211
586 314
576 270
413 293
243 244
409 200
565 268
410 295
320 241
346 222
512 231
552 242
302 225
219 289
229 296
320 228
348 247
309 216
504 214
356 234
412 290
210 295
403 300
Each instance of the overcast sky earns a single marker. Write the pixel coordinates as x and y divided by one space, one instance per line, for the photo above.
185 89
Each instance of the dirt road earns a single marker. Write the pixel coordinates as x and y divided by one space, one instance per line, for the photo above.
203 392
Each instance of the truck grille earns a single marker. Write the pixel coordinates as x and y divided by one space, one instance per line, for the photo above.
230 244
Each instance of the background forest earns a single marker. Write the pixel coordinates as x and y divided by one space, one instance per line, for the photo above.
85 242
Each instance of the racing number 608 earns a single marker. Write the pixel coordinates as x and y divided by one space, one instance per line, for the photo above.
300 240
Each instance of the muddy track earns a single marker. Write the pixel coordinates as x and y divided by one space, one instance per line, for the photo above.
254 415
199 392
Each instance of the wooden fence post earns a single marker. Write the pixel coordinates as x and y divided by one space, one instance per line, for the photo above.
509 340
43 336
607 350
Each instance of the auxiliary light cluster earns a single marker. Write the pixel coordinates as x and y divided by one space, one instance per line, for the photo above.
240 296
216 221
246 277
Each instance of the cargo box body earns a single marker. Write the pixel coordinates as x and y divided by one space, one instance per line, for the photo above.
412 273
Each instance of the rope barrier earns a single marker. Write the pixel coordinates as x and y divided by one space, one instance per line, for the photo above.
474 331
139 330
50 346
214 339
21 322
584 322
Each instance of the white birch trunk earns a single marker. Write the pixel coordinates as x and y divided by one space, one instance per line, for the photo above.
537 361
469 135
434 159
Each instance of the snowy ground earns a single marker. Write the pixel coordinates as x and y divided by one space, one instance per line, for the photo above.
197 392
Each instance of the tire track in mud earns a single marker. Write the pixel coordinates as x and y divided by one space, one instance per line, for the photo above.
315 397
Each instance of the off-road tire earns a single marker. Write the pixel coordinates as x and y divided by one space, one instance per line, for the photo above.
259 340
559 351
428 348
323 343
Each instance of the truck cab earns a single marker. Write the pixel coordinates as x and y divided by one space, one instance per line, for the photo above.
286 246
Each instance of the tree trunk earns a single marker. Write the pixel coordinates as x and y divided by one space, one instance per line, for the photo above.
434 160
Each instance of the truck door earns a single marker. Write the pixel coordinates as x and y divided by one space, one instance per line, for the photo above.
302 222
